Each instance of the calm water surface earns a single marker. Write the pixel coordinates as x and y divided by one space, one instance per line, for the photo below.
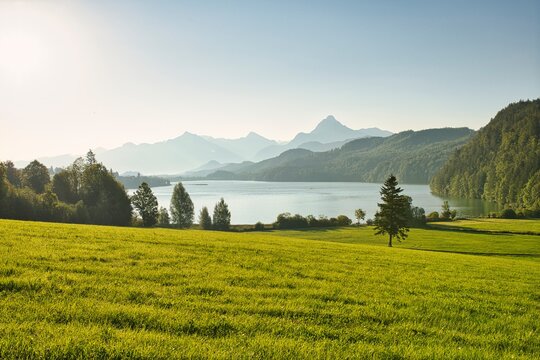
252 201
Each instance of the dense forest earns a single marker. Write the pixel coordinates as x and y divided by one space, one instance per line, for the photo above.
412 156
84 192
501 163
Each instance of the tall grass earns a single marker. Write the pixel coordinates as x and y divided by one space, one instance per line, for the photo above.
76 291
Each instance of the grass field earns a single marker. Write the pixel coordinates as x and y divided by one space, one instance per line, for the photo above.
495 225
447 239
73 291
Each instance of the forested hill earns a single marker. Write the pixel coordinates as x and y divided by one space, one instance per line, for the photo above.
501 163
413 156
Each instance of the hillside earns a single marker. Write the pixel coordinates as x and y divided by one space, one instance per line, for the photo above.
413 156
71 291
501 163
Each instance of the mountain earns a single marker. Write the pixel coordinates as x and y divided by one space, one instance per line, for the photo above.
204 170
413 156
172 156
189 151
328 131
501 163
246 147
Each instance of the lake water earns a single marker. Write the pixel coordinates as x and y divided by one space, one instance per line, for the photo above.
252 201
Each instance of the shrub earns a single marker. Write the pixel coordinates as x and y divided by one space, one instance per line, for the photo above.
259 226
288 221
433 215
508 214
343 220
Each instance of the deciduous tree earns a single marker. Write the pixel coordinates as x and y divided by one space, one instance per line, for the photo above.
360 215
222 216
146 204
181 207
36 176
163 217
205 221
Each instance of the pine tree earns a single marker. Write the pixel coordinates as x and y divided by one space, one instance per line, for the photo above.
146 204
222 216
90 158
181 207
393 215
204 219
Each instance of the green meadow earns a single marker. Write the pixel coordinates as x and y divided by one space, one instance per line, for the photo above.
79 291
523 226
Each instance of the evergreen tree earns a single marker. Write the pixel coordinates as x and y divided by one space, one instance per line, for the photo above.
222 216
204 219
181 207
90 158
146 204
394 212
163 217
446 213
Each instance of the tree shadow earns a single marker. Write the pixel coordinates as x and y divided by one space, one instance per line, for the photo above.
462 229
475 253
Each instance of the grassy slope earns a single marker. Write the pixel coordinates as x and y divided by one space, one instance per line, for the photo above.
495 225
436 239
89 291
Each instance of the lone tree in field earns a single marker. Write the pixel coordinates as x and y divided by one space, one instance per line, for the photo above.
205 221
393 215
360 215
222 216
181 207
146 204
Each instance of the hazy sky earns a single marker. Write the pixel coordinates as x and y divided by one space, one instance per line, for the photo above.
81 74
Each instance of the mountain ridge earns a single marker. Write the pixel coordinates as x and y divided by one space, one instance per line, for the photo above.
413 156
189 151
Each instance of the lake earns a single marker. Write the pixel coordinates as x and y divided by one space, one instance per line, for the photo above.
252 201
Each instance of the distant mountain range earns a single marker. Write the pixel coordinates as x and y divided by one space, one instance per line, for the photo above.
329 134
413 156
195 153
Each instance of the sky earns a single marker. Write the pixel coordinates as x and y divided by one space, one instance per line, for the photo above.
80 74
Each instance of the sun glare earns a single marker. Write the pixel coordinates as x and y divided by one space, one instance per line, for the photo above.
30 34
22 52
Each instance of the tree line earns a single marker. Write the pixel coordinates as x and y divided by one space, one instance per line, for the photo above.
86 192
182 211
